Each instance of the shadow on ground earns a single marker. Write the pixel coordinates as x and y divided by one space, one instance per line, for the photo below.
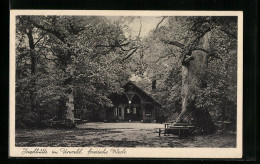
117 135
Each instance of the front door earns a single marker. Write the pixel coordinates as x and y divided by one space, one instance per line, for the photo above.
137 115
133 113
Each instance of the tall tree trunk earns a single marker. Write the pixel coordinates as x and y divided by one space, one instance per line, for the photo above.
69 94
33 70
185 92
67 101
193 80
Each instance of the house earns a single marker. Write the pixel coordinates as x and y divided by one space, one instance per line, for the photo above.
133 105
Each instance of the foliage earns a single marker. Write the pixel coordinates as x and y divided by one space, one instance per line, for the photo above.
85 44
91 57
163 60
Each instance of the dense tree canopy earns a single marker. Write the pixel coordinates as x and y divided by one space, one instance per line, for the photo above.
194 60
75 62
53 52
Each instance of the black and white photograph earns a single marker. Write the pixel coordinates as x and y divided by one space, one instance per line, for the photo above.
113 83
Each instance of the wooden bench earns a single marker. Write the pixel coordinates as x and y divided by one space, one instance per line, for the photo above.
179 129
229 126
79 121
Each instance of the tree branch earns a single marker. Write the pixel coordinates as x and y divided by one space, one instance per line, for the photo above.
125 44
140 29
127 49
130 54
200 49
196 40
54 60
55 33
157 26
174 43
187 60
192 47
99 45
112 46
213 55
162 57
234 36
39 40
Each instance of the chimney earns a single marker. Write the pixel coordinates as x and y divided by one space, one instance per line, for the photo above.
154 86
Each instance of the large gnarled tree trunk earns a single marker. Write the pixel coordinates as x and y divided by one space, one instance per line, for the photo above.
194 70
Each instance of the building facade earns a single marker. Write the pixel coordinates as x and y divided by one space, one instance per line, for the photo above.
133 105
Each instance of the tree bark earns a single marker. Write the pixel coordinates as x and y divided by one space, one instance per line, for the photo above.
185 92
70 94
33 70
67 101
193 79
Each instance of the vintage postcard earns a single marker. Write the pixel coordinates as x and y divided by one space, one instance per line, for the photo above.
126 84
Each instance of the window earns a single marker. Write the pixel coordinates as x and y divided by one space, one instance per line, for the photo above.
115 111
134 110
128 110
120 111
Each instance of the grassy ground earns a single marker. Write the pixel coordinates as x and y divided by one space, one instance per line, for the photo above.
116 135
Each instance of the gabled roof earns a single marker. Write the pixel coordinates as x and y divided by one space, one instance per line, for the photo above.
144 92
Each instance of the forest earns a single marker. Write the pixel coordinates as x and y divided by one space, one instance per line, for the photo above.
70 64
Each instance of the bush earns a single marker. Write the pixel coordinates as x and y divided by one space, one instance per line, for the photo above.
67 123
161 118
112 119
28 120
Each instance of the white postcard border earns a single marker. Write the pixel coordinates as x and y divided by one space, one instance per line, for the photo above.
126 152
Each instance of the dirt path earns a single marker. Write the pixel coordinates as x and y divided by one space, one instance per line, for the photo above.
117 135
